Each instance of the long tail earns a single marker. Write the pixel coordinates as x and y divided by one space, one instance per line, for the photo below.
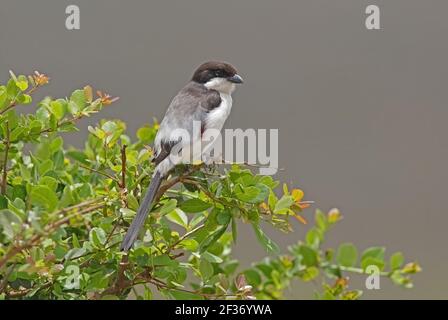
142 212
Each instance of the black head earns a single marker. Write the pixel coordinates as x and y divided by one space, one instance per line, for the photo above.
216 69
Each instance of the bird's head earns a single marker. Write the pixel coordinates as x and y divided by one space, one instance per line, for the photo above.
219 76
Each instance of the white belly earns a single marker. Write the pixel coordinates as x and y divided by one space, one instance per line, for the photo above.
217 117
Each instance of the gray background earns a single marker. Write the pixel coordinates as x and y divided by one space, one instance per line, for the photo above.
362 114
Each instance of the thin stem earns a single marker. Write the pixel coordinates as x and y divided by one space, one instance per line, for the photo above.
186 235
357 270
123 166
14 102
60 124
14 250
247 164
5 159
123 177
100 172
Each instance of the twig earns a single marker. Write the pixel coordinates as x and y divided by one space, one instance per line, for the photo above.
160 284
50 228
356 270
245 163
60 124
121 283
186 235
123 166
100 172
173 181
5 159
123 177
14 102
21 293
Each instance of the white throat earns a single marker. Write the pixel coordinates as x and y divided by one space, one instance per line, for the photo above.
221 85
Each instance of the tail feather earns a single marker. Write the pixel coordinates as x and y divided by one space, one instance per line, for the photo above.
142 212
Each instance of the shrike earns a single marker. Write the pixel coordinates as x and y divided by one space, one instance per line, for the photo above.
207 100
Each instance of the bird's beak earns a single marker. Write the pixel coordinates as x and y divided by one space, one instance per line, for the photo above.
235 79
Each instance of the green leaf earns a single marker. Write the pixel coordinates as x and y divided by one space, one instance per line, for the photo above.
164 260
75 253
314 237
3 97
77 101
45 166
211 257
132 202
374 252
57 108
252 277
56 144
321 220
373 256
212 238
206 269
17 133
97 237
347 255
263 193
24 99
169 206
75 241
3 202
12 89
9 222
22 83
50 182
264 240
223 217
283 205
179 217
371 261
246 194
272 200
78 156
308 256
189 244
145 134
194 205
309 274
396 261
44 196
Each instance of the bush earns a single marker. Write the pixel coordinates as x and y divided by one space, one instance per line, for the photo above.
64 211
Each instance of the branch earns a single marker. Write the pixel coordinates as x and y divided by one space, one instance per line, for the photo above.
122 184
14 102
100 172
173 181
14 250
121 282
60 124
5 160
186 235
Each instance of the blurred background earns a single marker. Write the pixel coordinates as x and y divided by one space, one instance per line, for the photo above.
361 113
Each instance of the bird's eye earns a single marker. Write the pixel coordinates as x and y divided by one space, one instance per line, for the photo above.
219 73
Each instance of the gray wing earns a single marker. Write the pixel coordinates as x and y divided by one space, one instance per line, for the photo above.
191 104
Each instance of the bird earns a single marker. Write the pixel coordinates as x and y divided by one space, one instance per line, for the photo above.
205 100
